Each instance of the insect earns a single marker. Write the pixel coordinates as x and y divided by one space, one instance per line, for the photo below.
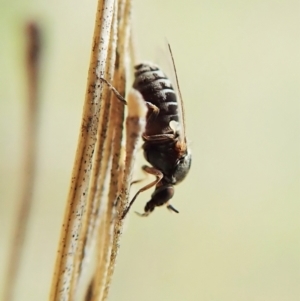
165 144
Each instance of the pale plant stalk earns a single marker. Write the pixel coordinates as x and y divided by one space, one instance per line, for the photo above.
93 219
97 202
135 125
78 193
105 235
120 75
96 205
105 244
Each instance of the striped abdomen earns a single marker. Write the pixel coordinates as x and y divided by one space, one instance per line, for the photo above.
157 89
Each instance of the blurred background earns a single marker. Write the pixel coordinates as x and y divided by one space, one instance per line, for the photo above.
237 234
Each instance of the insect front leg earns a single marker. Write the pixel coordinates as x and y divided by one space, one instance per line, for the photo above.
146 176
153 171
115 91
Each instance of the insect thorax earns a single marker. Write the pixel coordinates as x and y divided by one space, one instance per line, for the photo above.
165 157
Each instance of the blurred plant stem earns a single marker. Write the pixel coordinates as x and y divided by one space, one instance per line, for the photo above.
32 60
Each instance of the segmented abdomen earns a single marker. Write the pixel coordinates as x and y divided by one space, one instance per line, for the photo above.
157 89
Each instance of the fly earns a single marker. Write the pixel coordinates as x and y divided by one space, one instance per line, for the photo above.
165 144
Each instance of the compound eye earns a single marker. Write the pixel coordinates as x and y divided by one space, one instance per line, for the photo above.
182 167
182 161
187 160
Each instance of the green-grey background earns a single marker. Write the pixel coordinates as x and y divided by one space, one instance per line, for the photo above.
237 234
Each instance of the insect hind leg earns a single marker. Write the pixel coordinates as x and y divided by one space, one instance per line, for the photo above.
153 171
153 111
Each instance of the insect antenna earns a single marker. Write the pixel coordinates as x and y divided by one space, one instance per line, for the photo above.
182 136
171 208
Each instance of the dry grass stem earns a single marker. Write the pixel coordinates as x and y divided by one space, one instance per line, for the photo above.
97 201
93 218
122 51
96 205
65 272
29 155
135 124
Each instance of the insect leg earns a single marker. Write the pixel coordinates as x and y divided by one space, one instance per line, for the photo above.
171 208
140 180
153 171
160 137
153 111
137 181
116 92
